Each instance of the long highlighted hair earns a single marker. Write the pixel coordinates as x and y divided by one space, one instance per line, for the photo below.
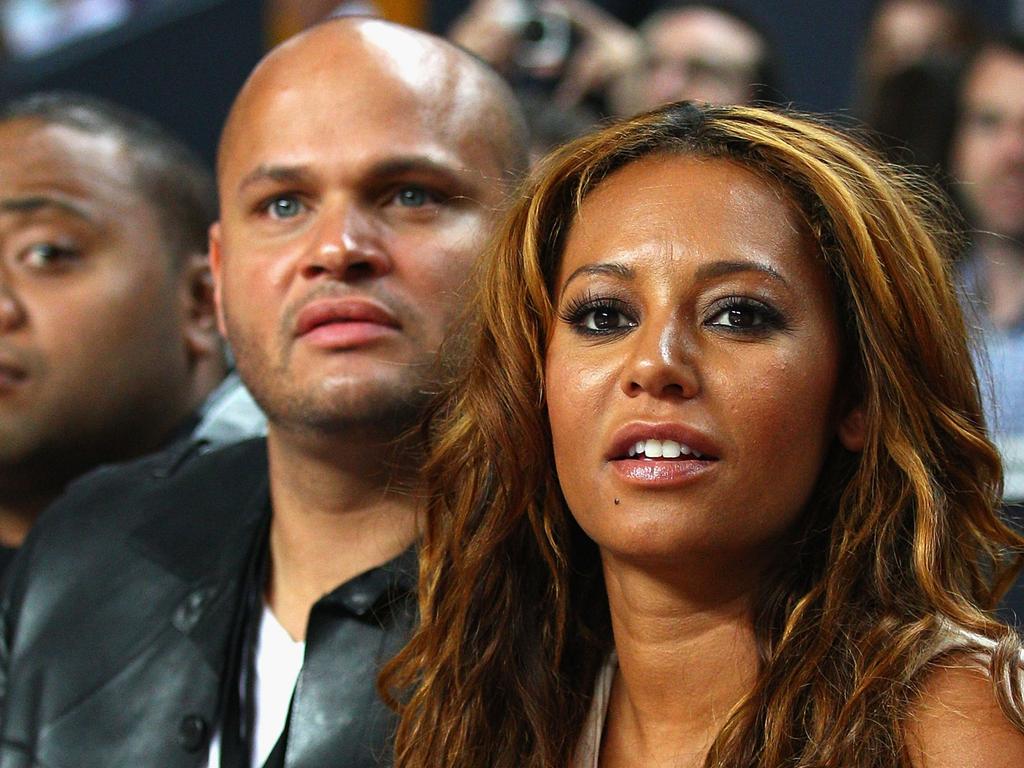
897 544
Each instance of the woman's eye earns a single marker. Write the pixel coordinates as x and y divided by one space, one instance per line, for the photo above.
742 317
604 319
284 207
45 255
598 317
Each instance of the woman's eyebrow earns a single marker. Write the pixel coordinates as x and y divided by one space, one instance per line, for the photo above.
729 267
615 270
710 271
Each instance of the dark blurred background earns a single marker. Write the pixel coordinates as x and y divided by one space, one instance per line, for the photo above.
181 61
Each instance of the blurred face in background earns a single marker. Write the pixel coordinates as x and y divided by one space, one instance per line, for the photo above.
696 53
988 149
904 32
93 312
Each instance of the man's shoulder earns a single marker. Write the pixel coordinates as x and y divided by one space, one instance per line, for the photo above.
126 586
167 492
168 521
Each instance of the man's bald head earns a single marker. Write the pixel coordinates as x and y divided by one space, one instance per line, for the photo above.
387 55
359 176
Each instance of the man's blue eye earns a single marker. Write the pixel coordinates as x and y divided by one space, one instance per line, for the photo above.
284 207
412 197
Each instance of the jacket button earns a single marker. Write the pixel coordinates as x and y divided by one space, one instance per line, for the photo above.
192 733
187 615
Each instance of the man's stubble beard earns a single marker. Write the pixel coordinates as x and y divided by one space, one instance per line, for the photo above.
387 405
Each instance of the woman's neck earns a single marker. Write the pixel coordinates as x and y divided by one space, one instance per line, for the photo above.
686 658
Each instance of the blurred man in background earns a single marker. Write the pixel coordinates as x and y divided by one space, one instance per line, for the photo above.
908 77
232 609
988 163
905 33
108 341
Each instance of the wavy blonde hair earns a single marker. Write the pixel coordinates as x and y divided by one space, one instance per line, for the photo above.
897 543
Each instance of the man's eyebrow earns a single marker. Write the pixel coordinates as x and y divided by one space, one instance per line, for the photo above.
288 174
614 270
402 165
387 168
33 203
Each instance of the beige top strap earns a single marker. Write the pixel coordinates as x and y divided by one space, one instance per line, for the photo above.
588 751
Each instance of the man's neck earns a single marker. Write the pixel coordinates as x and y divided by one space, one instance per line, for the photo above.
1001 280
340 508
26 489
18 511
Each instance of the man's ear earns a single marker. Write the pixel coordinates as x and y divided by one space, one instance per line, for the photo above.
216 269
200 320
853 428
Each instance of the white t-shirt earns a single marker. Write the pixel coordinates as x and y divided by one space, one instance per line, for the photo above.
278 662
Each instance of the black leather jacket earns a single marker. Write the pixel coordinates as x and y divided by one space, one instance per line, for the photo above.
118 615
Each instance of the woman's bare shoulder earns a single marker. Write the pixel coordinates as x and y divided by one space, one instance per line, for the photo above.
957 722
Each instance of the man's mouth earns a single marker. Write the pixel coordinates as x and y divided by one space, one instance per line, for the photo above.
11 376
332 311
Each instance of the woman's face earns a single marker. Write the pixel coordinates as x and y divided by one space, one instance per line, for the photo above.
692 373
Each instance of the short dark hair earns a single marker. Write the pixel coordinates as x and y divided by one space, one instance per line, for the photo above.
175 181
1012 42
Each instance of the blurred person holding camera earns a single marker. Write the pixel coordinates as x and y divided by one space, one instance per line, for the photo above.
576 60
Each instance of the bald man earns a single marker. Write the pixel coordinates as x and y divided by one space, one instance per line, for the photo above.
232 609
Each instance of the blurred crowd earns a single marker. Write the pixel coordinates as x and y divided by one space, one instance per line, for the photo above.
36 27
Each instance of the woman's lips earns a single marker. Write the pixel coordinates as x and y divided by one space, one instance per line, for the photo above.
661 454
662 472
661 440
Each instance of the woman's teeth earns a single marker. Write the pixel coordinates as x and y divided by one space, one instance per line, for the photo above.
658 449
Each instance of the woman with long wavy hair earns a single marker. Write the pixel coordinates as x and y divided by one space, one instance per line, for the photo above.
711 485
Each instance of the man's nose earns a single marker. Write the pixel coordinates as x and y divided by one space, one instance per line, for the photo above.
661 361
349 245
1012 142
12 314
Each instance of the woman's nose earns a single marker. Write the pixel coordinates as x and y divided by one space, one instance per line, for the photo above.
661 362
